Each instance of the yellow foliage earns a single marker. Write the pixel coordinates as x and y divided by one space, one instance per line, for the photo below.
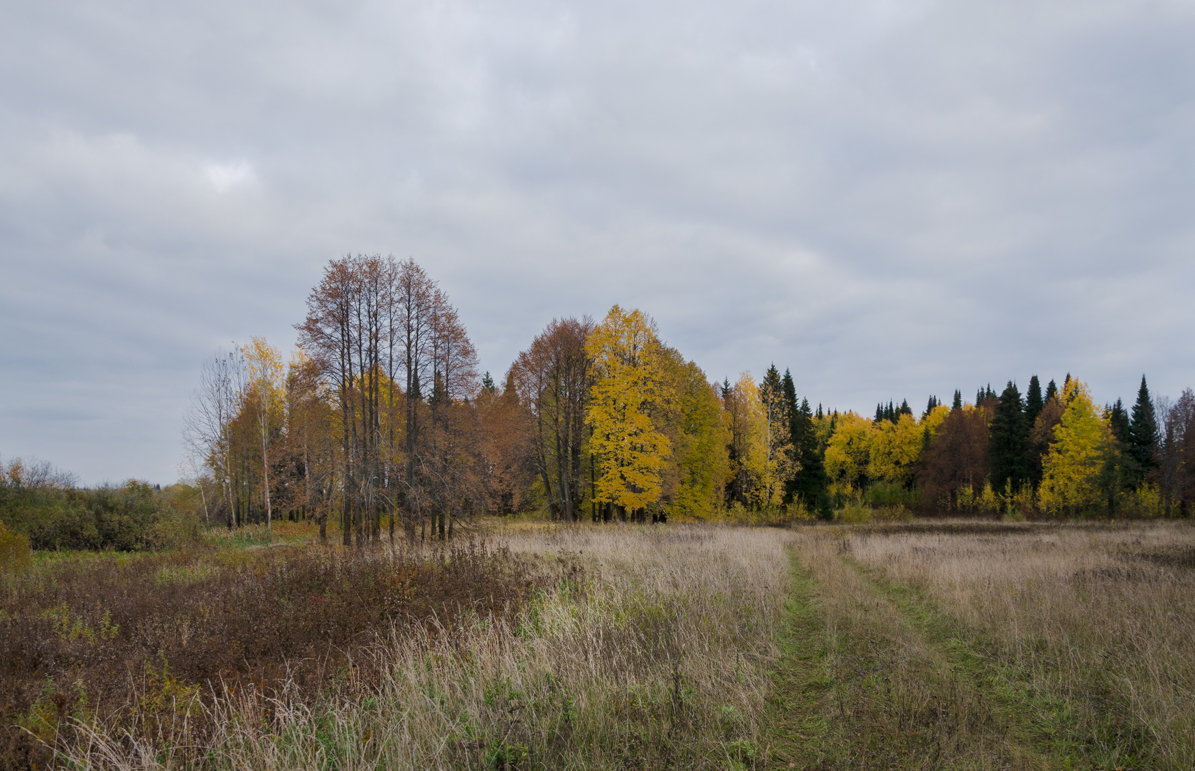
631 451
894 449
1075 463
934 419
848 452
747 424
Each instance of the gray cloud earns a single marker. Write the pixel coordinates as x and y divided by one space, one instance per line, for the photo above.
892 199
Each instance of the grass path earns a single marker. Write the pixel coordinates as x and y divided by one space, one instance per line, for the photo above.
873 675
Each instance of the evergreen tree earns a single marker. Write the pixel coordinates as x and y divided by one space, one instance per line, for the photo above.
957 404
1052 390
1143 435
778 413
930 405
809 483
1118 421
1009 441
1033 400
905 409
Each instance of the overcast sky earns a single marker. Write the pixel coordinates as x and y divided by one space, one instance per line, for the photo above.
892 198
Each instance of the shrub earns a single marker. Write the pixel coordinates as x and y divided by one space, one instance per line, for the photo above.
14 550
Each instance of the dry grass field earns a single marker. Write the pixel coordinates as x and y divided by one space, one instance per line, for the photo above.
910 645
986 645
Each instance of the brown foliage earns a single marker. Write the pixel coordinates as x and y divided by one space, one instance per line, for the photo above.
143 643
957 456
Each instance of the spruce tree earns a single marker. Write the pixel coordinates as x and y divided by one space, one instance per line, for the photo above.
1143 435
1009 441
810 482
957 404
1118 421
796 430
1052 390
1033 400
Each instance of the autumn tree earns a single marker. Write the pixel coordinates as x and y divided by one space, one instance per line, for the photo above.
747 431
895 447
629 448
1074 469
1177 457
510 453
308 483
691 419
264 372
370 322
848 455
778 414
955 461
553 380
1042 436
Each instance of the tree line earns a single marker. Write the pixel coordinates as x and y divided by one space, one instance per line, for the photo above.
381 421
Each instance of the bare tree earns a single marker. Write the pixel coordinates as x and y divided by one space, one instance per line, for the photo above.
208 428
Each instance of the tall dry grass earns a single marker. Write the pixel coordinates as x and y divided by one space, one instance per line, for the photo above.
1097 622
652 652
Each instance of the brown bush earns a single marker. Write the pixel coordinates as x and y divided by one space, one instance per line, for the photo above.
142 642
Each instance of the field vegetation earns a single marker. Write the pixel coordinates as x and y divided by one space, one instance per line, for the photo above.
531 645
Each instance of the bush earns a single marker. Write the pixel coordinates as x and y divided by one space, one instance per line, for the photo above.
14 550
133 517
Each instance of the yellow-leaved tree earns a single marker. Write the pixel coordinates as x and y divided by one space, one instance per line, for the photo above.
895 448
848 454
266 399
747 427
694 482
1075 466
630 450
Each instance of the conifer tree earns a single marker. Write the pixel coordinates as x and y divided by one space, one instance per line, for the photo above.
1052 390
1033 400
1009 441
1143 435
1118 421
957 404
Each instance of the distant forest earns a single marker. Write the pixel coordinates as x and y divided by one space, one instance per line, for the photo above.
381 419
381 422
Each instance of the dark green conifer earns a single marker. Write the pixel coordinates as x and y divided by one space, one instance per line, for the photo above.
1118 421
1143 435
1009 441
1033 400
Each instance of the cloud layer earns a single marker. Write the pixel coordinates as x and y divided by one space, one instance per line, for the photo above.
894 199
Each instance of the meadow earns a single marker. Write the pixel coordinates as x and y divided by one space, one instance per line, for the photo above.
931 644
